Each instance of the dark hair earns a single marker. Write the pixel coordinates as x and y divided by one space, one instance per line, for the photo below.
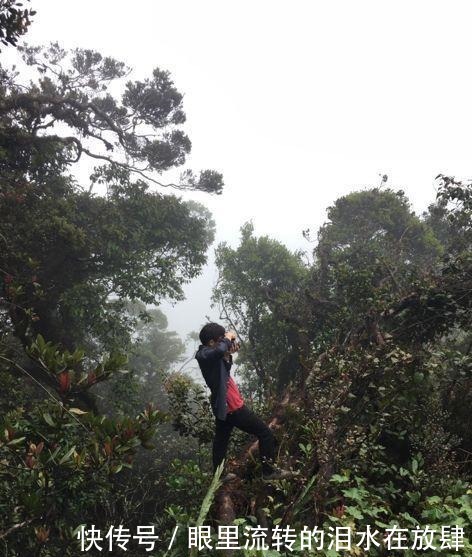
211 331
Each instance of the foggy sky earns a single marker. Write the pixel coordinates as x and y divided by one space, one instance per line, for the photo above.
297 103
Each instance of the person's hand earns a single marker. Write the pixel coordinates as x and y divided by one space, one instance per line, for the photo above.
231 335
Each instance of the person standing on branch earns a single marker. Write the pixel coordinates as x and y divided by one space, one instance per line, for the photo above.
215 359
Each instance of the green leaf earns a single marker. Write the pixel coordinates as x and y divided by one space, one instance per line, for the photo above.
48 419
356 513
353 493
67 456
337 478
15 441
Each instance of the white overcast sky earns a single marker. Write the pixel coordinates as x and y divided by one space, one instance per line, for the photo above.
297 103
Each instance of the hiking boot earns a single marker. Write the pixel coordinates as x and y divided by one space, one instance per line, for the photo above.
278 474
229 477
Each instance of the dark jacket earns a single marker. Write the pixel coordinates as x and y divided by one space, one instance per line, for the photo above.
215 370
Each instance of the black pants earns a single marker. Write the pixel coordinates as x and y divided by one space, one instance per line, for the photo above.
247 421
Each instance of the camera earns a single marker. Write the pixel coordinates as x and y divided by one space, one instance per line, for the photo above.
235 344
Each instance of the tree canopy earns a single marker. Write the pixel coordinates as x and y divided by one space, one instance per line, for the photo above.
72 257
69 111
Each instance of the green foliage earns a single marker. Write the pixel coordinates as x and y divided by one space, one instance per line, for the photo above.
368 254
378 417
370 342
138 130
14 21
449 216
385 495
71 259
183 520
189 407
58 463
77 271
259 283
134 244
